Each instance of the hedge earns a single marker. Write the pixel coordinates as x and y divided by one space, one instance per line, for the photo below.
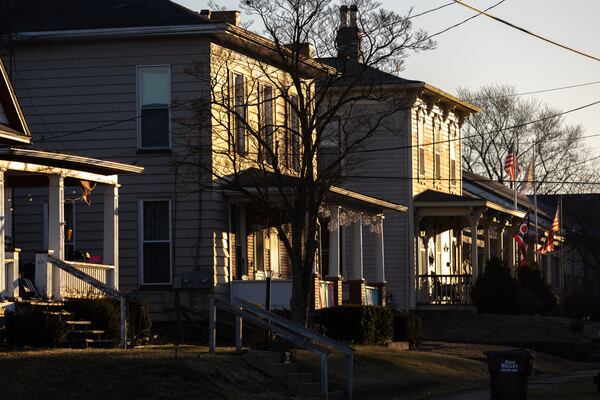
357 324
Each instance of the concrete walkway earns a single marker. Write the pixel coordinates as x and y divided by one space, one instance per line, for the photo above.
538 382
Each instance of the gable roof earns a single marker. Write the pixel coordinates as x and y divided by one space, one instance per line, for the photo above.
357 73
13 126
64 15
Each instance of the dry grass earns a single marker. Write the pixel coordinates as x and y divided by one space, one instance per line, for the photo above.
580 389
133 374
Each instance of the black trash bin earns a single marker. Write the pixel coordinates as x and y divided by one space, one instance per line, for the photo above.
509 373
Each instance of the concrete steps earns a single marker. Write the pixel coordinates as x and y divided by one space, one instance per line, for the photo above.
300 382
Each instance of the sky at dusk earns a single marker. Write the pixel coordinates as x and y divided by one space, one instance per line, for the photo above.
483 51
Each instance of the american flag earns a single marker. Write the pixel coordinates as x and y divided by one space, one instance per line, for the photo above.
511 165
548 246
555 225
521 238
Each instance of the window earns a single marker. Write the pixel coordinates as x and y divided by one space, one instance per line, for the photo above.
240 113
154 101
267 121
293 139
452 143
155 248
437 146
421 147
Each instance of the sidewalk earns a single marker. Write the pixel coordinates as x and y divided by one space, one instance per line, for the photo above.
536 383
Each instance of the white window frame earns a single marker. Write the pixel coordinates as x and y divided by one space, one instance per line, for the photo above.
452 154
420 144
141 241
138 106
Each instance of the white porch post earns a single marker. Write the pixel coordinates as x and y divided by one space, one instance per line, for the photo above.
56 227
500 235
487 243
5 286
474 219
334 244
357 251
379 254
111 233
243 239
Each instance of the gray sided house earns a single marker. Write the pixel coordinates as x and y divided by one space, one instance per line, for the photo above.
119 80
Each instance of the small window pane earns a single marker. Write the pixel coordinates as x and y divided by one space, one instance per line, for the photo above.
155 127
157 263
156 220
155 86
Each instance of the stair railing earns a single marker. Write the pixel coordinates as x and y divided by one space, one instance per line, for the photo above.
294 333
95 283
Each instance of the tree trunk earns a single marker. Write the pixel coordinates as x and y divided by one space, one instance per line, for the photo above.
302 290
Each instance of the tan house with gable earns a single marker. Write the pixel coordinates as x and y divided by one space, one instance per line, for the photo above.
129 82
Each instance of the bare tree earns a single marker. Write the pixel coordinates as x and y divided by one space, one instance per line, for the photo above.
306 86
561 154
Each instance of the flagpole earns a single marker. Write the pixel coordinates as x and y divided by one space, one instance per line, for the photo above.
535 206
516 168
562 254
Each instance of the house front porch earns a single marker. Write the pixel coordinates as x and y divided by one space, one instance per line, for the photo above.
454 237
351 230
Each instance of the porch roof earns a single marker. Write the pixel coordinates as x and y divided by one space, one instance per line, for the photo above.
66 161
457 204
251 179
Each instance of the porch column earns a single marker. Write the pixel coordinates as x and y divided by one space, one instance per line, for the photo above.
242 239
334 243
110 254
509 243
474 219
5 286
500 243
56 227
380 262
334 273
379 254
487 243
357 283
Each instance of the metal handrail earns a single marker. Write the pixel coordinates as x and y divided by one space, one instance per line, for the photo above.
295 327
90 280
288 330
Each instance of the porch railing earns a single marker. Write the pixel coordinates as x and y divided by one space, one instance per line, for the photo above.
327 296
10 286
444 289
74 287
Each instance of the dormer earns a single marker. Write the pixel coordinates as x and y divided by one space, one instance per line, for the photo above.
13 127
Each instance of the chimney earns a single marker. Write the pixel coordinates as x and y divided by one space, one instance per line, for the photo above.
230 17
305 49
348 38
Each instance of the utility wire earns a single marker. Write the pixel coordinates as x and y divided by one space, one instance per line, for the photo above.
534 92
526 30
432 10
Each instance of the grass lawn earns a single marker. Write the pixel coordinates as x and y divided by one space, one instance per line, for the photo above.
155 373
580 389
133 374
442 368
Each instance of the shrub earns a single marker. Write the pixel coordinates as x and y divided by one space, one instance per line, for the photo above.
105 314
581 305
408 327
576 325
358 324
495 290
536 296
33 327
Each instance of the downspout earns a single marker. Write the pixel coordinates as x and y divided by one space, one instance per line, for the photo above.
410 256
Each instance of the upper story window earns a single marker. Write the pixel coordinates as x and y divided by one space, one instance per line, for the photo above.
240 111
452 143
267 114
293 137
437 138
420 143
154 107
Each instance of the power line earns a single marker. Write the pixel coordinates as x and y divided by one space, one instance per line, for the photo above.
526 31
535 91
432 10
463 21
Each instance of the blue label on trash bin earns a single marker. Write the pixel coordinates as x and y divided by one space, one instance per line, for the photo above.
509 366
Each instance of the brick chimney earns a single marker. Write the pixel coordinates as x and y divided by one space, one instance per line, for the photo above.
348 39
230 17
